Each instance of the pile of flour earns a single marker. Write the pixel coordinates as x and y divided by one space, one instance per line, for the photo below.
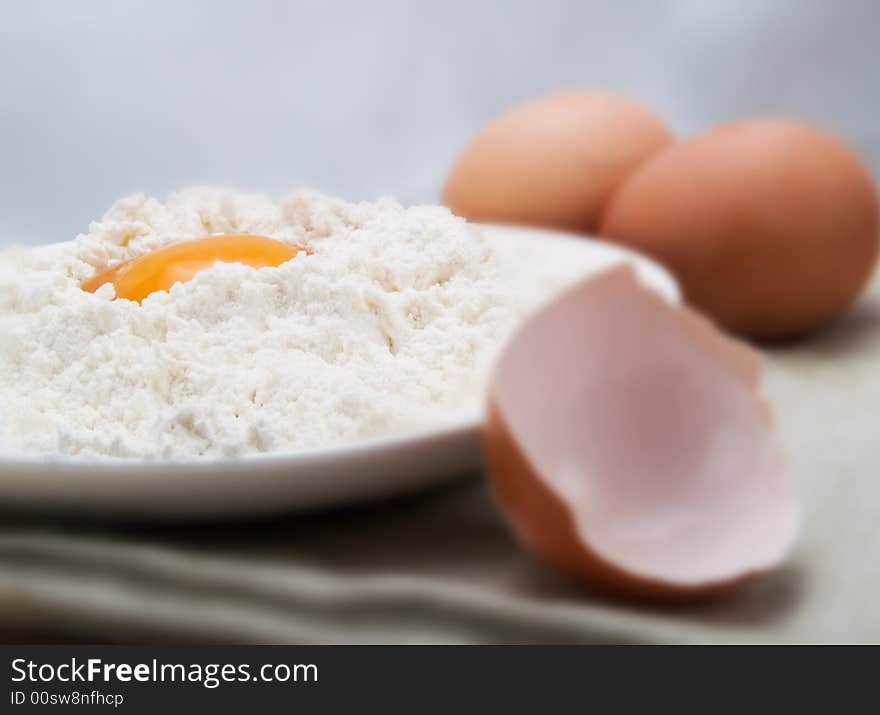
389 325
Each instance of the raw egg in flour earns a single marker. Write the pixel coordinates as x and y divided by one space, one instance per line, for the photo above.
178 263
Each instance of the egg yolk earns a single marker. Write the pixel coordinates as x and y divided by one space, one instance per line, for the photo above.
178 263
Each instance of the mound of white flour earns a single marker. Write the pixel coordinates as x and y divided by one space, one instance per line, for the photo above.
388 326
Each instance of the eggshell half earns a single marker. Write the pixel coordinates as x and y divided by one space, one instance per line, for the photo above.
628 447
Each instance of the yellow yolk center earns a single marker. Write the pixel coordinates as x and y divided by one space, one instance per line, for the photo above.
178 263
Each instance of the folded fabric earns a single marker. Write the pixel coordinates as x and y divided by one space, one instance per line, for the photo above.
440 567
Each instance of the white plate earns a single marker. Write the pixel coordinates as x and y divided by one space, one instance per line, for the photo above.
278 482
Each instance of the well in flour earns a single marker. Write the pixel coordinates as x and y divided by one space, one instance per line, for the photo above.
389 325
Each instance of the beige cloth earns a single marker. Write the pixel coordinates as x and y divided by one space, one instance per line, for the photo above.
441 567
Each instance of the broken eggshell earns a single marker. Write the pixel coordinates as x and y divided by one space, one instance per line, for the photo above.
628 447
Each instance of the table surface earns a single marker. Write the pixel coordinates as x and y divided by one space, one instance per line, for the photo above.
441 567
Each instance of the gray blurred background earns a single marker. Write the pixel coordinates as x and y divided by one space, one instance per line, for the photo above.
361 99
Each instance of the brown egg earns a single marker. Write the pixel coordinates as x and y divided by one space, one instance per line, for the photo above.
628 448
553 161
771 226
